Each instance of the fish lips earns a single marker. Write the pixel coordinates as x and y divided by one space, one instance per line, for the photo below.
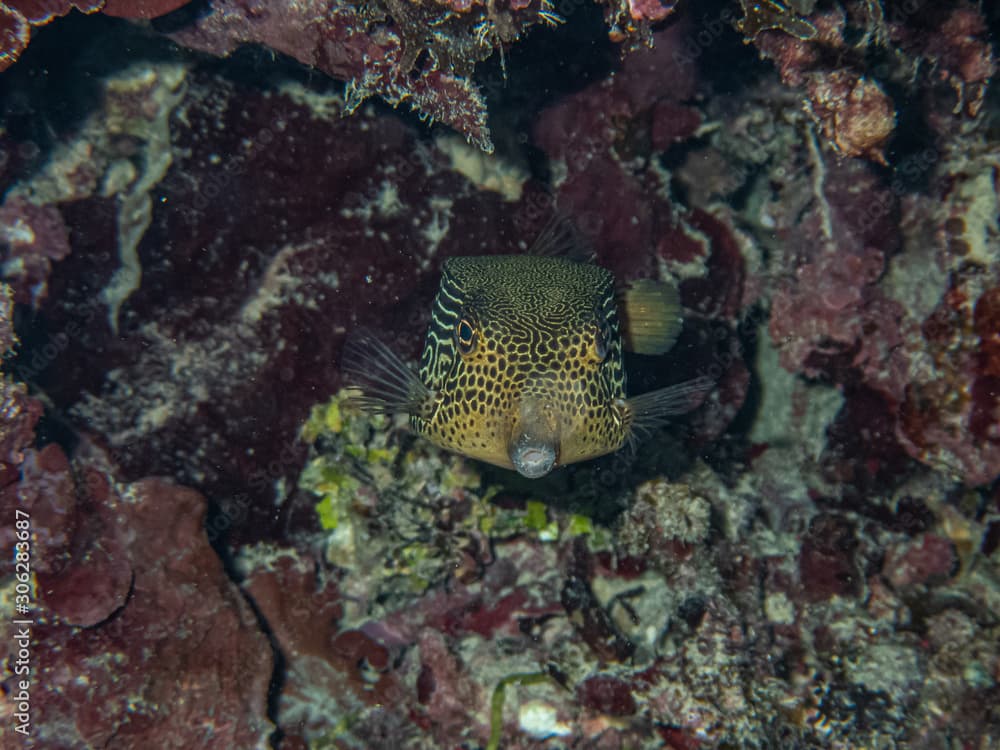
532 457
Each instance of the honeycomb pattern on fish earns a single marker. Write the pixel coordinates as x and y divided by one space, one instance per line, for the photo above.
544 349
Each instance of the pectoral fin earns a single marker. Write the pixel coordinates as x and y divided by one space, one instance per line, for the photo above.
651 316
650 410
387 385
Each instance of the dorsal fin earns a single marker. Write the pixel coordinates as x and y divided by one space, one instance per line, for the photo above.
561 238
650 312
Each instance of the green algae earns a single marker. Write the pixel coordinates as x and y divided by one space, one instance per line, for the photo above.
406 512
499 697
334 487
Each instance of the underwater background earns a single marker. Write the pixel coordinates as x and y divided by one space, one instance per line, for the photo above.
204 545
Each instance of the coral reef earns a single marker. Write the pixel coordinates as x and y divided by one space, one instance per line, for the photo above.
34 237
19 413
165 391
882 302
19 17
384 50
402 51
224 552
827 53
128 589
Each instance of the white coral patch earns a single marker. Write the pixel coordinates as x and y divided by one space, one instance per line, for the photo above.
540 720
486 171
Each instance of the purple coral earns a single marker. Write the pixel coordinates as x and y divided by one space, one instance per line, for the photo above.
130 589
34 236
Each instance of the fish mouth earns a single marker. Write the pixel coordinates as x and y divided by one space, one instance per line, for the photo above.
532 458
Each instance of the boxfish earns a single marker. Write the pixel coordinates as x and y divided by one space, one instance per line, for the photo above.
523 363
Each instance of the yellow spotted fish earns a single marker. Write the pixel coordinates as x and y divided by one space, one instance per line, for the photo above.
523 364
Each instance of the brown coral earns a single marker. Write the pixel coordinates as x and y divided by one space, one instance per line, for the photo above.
852 112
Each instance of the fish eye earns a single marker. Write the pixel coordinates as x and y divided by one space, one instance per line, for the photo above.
465 335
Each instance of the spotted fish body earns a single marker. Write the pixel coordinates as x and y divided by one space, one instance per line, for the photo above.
523 364
544 359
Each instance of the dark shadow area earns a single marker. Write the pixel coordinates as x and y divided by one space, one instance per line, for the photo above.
56 82
550 62
716 47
